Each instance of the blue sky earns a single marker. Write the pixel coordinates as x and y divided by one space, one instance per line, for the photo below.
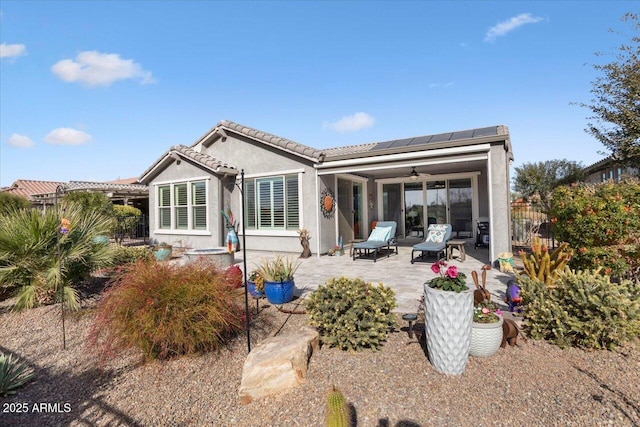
99 90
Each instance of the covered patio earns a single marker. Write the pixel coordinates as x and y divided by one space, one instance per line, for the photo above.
396 271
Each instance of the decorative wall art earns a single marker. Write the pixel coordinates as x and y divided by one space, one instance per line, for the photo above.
327 203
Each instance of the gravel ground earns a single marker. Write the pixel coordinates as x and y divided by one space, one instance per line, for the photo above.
535 384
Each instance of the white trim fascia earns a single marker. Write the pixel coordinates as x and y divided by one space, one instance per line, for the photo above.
273 173
440 177
404 156
336 221
491 221
439 161
317 203
182 232
300 202
181 180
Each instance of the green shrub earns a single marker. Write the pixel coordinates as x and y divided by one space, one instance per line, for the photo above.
39 256
13 374
10 202
351 314
584 309
130 254
166 311
602 222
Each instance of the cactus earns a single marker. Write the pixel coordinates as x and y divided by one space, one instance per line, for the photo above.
545 267
337 411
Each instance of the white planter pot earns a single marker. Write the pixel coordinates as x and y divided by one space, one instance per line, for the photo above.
448 319
485 338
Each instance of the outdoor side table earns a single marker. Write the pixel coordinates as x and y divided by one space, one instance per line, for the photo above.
459 245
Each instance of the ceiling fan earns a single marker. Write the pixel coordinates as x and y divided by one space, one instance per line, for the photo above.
414 175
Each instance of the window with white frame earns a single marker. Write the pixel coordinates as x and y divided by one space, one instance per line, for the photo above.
182 206
272 203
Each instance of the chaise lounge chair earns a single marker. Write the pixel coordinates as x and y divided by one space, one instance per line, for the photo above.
384 235
436 241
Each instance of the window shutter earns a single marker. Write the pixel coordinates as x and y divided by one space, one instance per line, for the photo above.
264 203
293 209
199 201
181 209
164 205
278 203
250 204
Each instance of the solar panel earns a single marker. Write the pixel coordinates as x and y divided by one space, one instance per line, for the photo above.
490 131
441 137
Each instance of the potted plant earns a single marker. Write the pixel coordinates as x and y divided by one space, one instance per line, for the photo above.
448 305
486 331
162 251
255 284
278 278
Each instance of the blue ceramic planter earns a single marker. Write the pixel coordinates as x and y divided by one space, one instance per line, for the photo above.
279 292
251 287
162 253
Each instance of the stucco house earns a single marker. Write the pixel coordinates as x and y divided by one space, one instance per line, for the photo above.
455 178
607 170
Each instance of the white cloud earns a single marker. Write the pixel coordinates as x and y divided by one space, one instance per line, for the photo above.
20 141
504 27
351 123
12 50
100 69
67 136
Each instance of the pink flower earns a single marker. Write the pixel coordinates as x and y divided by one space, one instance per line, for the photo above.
499 312
452 272
435 267
485 310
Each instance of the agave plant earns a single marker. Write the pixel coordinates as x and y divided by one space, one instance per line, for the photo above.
13 374
43 258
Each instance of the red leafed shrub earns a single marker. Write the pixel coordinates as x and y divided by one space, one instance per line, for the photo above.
166 311
233 274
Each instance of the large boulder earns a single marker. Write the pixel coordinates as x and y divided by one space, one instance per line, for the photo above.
277 364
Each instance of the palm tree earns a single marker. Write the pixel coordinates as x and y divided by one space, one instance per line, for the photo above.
44 264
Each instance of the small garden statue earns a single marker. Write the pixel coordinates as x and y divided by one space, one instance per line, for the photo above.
513 297
304 241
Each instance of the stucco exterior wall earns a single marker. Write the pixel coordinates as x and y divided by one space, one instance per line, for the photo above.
186 238
257 159
327 228
500 195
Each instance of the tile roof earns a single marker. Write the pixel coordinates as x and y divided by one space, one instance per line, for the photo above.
27 188
273 140
133 180
204 159
106 186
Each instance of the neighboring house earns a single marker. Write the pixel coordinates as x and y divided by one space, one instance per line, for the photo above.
454 178
607 169
28 188
42 194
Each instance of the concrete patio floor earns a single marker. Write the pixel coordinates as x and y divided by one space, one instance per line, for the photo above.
396 271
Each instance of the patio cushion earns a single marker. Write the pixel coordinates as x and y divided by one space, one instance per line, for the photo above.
436 233
380 234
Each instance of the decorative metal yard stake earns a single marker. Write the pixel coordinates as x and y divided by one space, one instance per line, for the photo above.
244 262
63 230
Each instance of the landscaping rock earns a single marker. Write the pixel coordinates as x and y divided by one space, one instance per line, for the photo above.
277 364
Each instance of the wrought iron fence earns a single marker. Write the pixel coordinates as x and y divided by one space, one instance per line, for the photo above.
133 234
529 220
